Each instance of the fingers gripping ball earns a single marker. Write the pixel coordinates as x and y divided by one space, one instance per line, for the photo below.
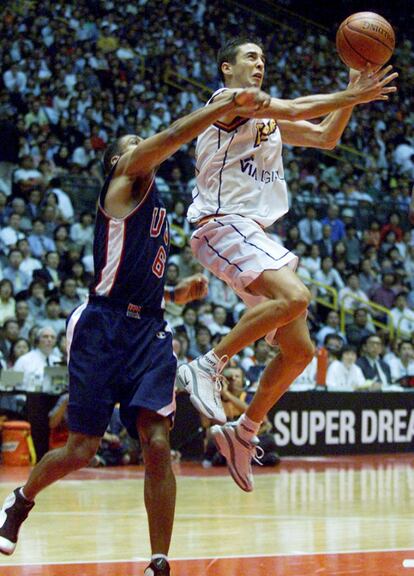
365 37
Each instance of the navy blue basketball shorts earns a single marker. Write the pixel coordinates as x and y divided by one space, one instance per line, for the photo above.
117 354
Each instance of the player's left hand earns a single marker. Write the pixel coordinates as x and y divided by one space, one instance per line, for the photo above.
191 288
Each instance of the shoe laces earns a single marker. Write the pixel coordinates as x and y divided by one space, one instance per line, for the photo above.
257 454
218 377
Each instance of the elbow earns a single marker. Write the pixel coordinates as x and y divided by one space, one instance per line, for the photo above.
329 144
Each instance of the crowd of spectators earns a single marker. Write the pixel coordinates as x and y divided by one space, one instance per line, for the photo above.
74 75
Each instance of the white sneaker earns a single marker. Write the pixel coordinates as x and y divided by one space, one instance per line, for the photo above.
238 453
203 383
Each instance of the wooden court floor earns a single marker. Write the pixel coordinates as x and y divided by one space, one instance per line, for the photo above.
321 516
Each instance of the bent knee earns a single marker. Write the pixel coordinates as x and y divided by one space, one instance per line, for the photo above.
295 303
82 452
300 354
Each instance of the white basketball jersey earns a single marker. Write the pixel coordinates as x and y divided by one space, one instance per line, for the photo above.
239 170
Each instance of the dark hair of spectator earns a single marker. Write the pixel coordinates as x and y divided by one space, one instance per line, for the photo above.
228 52
114 149
347 349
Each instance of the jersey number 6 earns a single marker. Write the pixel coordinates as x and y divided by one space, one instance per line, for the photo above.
158 266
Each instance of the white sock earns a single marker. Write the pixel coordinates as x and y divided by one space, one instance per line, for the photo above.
156 556
209 360
247 428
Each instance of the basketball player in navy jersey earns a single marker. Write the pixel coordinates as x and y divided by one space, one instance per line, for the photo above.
119 347
231 208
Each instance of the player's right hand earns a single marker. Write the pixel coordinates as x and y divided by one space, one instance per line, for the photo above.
373 84
250 100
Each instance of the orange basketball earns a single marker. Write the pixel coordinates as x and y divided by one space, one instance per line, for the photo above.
365 37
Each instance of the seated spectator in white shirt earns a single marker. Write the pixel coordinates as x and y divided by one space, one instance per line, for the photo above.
53 316
312 262
29 264
33 363
64 202
219 291
402 366
12 272
69 299
351 296
258 361
218 325
27 176
38 241
344 374
310 228
332 326
82 232
7 301
12 233
402 316
328 275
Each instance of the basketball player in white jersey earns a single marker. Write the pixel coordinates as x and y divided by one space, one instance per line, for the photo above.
240 191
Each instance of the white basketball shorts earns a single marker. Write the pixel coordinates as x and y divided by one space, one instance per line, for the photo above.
237 250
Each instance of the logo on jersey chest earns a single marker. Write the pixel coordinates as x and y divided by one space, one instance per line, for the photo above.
248 166
264 130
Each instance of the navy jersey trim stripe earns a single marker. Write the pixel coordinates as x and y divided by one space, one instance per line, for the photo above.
221 173
220 255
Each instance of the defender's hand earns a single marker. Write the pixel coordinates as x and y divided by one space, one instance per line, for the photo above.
191 288
250 100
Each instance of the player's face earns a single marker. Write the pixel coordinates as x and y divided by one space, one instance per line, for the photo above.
248 70
128 144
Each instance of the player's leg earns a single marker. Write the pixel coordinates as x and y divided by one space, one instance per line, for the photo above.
287 298
296 351
238 441
77 453
159 486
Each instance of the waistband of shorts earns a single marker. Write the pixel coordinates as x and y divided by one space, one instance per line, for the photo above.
130 309
206 219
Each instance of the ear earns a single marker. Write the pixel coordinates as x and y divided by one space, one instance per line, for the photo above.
226 68
114 160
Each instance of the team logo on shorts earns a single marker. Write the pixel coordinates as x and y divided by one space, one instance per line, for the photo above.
134 311
161 335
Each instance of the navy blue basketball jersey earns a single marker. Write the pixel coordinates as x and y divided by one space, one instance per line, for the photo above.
130 253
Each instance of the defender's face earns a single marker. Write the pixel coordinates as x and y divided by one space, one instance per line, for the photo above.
248 70
129 143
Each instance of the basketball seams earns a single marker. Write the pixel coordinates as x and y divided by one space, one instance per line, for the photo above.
363 33
358 44
352 48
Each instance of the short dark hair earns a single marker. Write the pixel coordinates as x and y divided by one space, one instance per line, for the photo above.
114 149
228 52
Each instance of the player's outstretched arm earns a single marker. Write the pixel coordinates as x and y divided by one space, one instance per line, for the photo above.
371 85
325 134
191 288
151 152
